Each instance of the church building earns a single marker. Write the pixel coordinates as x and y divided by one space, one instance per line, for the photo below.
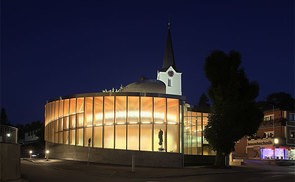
148 119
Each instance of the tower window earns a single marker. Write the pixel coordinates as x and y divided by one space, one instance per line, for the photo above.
169 82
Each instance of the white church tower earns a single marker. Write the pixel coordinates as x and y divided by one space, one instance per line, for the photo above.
168 74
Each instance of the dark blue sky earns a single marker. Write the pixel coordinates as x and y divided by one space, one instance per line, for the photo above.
57 48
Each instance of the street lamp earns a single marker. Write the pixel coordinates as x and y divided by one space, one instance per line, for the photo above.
8 134
276 141
47 154
30 153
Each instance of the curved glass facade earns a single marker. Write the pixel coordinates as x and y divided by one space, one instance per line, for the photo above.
132 122
115 122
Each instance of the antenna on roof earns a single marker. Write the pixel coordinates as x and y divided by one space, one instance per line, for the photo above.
169 22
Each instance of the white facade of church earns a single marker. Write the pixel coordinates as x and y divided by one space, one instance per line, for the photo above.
172 80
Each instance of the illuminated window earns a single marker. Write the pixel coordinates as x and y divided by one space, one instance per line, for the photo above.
88 135
97 140
120 109
61 108
79 141
146 135
109 110
73 106
146 110
159 137
72 121
98 110
60 124
133 110
120 137
72 137
133 137
66 107
66 137
80 105
65 122
88 111
159 110
109 136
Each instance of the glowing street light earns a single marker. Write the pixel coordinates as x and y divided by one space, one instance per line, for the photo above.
30 153
47 154
276 140
8 134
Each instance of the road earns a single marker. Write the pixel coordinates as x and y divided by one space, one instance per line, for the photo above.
59 170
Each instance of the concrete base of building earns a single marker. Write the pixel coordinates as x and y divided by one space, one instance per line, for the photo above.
9 161
114 156
192 160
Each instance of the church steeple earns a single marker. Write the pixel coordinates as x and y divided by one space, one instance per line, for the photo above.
168 73
169 55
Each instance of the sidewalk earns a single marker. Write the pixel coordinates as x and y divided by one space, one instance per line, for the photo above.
140 172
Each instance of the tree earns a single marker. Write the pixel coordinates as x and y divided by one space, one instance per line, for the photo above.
3 117
281 100
203 104
233 113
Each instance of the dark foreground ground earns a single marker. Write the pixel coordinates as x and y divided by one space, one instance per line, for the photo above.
40 170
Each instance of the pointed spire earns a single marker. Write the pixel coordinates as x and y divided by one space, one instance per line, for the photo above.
169 55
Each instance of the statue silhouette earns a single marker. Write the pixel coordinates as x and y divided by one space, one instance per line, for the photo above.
160 135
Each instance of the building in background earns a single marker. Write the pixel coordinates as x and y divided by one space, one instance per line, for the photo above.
275 138
148 119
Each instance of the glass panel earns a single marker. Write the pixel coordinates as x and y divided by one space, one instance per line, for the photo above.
97 137
172 111
61 108
159 110
80 118
66 137
109 136
133 110
55 137
60 124
60 137
172 138
73 106
133 137
121 110
56 109
79 141
146 140
120 137
108 109
98 110
194 133
66 107
73 121
146 110
80 104
159 137
88 135
72 137
66 122
88 111
199 133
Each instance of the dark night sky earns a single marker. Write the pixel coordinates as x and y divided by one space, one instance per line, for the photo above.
57 48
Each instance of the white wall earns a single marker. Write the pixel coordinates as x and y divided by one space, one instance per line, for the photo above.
175 88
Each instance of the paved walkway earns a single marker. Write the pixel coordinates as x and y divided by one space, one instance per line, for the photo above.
60 170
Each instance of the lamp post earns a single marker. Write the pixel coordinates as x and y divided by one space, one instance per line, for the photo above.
30 152
47 154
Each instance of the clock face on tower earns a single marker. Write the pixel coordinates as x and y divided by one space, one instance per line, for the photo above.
170 73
